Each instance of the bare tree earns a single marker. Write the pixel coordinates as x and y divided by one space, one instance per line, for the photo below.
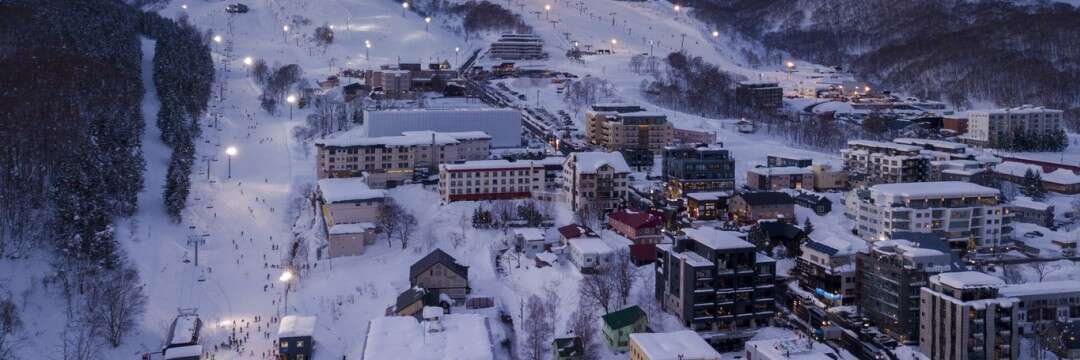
1042 269
536 328
1011 274
406 224
553 303
622 274
10 326
79 340
582 323
597 289
389 219
114 301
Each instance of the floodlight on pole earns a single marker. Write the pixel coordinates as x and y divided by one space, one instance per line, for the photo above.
427 21
230 152
404 6
291 99
217 38
715 33
367 49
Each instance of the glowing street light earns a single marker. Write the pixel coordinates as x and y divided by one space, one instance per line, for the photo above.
230 152
677 8
427 21
284 32
247 63
367 49
291 99
457 51
184 6
285 277
217 38
404 6
613 43
547 11
715 33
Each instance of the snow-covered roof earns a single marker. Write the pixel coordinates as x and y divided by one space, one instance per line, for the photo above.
340 229
182 352
502 164
717 239
347 189
185 330
1022 109
1059 176
547 257
967 279
1027 203
933 189
530 234
431 312
592 246
1040 288
294 326
884 145
591 161
708 196
462 337
780 170
643 114
790 348
355 137
788 156
689 257
934 143
678 345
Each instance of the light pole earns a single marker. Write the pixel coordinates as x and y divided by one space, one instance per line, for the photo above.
613 42
217 39
230 152
367 50
427 21
457 58
291 99
677 8
612 18
285 277
547 11
715 33
247 63
404 6
285 33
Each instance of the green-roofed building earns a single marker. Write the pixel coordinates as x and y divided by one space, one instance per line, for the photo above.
620 324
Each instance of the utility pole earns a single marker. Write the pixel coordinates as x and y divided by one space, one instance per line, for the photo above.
682 42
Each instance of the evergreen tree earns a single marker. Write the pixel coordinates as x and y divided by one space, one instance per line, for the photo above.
808 227
1037 190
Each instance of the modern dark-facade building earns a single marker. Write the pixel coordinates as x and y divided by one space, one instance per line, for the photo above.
964 318
888 278
828 272
698 168
759 95
716 284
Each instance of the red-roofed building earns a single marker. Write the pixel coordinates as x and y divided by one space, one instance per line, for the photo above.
575 231
642 228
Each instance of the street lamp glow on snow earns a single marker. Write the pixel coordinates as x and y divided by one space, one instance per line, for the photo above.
291 99
427 21
677 8
217 38
248 61
285 276
183 6
367 50
285 28
715 33
404 6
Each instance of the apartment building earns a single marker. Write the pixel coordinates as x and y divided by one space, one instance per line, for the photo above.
967 215
749 207
396 158
759 95
716 284
618 127
785 160
698 168
885 162
498 179
962 317
349 209
776 178
996 128
517 47
827 271
1044 302
392 84
826 177
888 277
595 180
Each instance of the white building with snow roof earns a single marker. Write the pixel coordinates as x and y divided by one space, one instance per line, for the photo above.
499 179
349 208
588 253
595 180
677 345
967 215
392 159
503 124
453 336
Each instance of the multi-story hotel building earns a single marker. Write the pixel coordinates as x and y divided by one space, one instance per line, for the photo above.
888 277
885 162
396 157
595 180
963 318
622 127
517 47
716 284
995 128
827 271
698 168
498 179
967 215
1045 302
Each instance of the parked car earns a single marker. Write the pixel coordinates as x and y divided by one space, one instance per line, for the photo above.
236 8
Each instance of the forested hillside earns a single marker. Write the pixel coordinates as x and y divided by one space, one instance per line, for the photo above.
959 51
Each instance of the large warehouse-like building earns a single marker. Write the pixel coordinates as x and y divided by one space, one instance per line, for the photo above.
504 125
